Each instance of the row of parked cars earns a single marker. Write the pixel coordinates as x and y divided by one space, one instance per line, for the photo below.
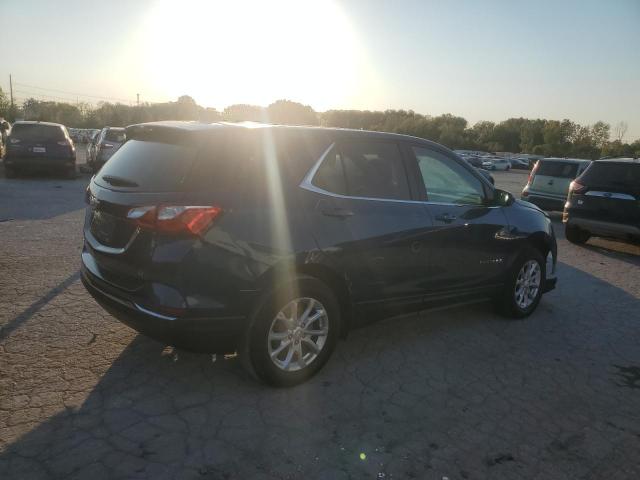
34 145
493 162
600 198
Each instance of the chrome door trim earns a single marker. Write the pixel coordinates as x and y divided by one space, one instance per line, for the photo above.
617 196
308 185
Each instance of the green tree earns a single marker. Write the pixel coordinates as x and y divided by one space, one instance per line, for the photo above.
286 112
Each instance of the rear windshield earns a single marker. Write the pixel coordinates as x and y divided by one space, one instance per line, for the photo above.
557 169
115 136
612 174
148 166
37 133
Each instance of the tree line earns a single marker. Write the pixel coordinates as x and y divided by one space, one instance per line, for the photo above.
563 138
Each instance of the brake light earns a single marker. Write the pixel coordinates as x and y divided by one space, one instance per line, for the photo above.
577 187
533 172
175 219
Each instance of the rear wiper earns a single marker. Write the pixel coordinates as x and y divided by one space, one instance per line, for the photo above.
119 181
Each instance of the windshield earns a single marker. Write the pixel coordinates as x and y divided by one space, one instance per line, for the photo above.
115 136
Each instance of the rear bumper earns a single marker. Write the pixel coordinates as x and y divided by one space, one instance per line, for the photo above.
621 230
207 335
545 202
51 163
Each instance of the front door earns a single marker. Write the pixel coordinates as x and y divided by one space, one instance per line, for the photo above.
466 252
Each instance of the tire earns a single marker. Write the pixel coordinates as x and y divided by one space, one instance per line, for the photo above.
576 235
508 303
286 369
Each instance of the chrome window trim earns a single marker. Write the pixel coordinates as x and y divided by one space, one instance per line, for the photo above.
618 196
307 184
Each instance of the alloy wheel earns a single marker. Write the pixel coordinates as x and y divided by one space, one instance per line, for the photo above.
298 334
528 284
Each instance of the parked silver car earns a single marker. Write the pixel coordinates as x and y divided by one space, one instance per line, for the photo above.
108 141
549 181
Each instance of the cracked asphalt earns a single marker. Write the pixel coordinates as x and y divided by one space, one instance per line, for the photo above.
459 393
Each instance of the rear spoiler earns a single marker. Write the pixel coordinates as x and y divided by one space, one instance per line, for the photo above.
160 133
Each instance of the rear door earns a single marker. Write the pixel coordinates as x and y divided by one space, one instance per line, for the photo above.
613 193
465 252
368 225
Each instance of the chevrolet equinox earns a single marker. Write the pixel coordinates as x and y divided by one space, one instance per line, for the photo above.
274 241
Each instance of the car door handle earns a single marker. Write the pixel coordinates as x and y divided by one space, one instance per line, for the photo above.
337 212
446 217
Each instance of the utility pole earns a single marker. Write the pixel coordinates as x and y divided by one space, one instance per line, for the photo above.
11 94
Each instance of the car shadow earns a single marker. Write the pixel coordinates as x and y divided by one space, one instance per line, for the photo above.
460 392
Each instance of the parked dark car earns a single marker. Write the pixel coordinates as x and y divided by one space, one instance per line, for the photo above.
604 201
275 241
104 145
39 146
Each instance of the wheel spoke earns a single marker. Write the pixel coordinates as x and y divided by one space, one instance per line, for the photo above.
305 314
300 359
312 319
278 335
315 333
280 348
289 356
311 344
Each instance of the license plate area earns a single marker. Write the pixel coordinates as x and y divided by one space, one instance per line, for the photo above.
39 150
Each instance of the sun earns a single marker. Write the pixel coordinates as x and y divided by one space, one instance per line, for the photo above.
225 52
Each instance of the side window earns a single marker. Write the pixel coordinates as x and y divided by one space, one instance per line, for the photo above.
374 170
330 175
446 181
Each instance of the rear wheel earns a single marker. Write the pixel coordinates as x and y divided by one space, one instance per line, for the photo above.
294 333
523 288
576 235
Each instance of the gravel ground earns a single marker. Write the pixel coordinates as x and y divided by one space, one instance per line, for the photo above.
458 393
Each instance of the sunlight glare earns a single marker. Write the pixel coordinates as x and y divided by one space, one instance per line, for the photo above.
224 52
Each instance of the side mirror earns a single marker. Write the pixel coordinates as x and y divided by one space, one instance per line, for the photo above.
503 198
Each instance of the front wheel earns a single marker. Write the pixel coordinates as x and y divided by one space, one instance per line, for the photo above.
523 289
293 334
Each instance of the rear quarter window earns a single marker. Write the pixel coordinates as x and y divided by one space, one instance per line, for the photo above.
558 169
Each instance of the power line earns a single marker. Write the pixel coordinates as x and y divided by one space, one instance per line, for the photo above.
74 93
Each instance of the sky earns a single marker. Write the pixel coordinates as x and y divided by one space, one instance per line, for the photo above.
483 60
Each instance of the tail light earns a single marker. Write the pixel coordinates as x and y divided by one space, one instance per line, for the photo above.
106 145
14 140
577 187
176 219
533 171
63 143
